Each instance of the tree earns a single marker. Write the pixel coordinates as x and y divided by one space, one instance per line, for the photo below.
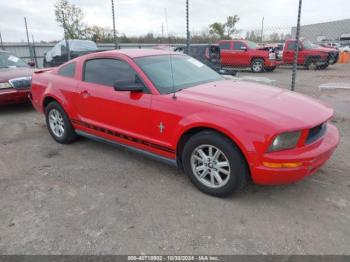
224 30
230 25
70 17
99 34
217 30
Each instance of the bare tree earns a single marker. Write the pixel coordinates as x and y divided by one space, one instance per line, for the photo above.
70 17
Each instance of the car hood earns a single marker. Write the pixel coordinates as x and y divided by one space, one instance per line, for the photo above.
283 109
325 49
9 73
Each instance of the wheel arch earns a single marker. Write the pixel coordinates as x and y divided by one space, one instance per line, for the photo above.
256 57
191 131
48 99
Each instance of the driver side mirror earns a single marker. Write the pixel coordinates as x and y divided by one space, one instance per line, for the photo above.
127 85
243 48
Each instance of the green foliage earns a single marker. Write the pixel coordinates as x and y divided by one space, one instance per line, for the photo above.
224 30
230 25
70 17
217 30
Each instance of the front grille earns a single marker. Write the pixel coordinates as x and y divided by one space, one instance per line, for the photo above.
21 82
316 133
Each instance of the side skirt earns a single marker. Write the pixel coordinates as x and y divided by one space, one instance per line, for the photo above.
168 161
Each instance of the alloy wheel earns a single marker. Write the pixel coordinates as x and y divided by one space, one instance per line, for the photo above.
56 123
210 166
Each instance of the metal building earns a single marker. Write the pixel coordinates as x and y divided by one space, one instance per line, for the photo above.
328 31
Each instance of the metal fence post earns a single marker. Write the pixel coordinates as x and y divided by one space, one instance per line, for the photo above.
2 44
187 28
34 52
66 37
114 32
29 47
296 53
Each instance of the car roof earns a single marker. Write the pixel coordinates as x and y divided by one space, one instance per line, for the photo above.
134 53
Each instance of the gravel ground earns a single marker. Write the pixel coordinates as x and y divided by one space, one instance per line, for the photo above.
91 198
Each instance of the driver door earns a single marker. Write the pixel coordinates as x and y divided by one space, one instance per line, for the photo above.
99 105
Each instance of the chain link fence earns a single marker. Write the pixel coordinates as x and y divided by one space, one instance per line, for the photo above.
265 49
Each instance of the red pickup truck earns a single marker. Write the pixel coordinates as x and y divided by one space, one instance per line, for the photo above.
310 55
243 53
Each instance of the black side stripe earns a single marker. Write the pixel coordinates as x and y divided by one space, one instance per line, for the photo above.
116 134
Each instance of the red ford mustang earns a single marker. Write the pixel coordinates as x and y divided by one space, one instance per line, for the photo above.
170 106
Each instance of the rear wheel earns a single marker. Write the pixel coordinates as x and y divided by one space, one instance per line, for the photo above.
214 164
59 124
322 67
257 65
311 63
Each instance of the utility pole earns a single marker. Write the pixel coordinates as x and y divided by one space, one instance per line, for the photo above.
114 32
162 30
187 28
296 53
29 48
262 29
2 44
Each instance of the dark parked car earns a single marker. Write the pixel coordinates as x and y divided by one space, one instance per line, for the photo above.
15 79
208 54
58 55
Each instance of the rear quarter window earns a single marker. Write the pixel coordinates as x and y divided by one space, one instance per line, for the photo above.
67 70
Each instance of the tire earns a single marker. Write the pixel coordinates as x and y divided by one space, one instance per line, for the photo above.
229 165
310 63
57 117
322 67
257 65
270 69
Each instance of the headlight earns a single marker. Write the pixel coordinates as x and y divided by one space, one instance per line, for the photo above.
5 85
285 141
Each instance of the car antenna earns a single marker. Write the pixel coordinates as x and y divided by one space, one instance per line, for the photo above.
170 55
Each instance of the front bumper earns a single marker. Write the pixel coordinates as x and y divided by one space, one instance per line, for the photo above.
271 63
312 157
14 96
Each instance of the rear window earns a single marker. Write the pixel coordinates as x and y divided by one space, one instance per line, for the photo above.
238 45
67 70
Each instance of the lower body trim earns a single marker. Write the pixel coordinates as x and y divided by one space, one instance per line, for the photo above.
168 161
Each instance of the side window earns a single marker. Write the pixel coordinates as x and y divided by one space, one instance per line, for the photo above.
238 45
67 70
225 45
292 46
106 71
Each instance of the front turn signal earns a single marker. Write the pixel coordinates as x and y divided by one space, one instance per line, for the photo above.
282 165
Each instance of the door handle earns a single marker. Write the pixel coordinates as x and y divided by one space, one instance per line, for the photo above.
85 94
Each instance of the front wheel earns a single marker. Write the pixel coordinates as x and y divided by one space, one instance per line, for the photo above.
270 69
257 65
59 124
214 164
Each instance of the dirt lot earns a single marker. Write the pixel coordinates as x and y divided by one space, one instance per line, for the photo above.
91 198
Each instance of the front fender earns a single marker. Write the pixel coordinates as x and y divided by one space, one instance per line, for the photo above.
243 134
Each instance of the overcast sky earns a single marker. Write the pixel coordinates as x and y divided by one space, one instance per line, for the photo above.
135 17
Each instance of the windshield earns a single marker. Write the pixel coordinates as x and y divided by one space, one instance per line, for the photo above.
252 45
8 60
309 45
187 72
